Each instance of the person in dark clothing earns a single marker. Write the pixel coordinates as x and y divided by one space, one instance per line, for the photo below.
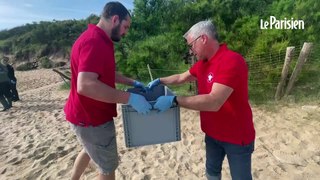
5 94
13 80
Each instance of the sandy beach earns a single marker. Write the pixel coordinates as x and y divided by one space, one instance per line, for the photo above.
37 143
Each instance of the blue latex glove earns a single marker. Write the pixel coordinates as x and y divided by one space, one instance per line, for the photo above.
153 83
138 84
139 103
163 103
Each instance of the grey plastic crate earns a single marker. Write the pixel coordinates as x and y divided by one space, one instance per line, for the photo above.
154 128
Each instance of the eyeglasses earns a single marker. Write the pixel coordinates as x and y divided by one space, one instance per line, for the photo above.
190 45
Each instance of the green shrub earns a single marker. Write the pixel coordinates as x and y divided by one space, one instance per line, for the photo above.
27 66
59 64
45 62
65 86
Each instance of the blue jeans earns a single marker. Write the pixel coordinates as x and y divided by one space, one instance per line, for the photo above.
239 158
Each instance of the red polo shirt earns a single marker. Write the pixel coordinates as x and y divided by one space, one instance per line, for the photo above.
93 51
233 123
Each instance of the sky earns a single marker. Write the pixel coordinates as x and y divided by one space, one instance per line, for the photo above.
15 13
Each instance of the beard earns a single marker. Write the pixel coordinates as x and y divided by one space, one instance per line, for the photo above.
115 34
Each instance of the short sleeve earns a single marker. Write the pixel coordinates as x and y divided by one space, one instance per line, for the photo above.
232 71
194 69
90 56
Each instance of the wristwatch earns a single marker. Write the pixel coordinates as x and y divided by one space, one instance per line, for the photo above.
175 102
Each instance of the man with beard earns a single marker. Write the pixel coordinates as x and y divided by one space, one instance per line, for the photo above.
91 105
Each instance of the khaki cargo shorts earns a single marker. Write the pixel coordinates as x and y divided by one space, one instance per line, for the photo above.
100 144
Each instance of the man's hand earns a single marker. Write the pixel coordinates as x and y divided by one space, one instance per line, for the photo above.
154 83
139 103
163 103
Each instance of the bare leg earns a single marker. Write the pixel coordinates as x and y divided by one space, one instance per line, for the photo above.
107 177
80 165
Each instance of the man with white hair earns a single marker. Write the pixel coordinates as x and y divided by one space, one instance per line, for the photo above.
225 113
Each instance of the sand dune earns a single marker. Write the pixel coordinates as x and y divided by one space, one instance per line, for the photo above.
36 142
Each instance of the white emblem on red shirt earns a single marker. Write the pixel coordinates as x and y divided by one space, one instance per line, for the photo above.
210 78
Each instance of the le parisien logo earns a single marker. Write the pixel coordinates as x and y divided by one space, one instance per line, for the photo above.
274 23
